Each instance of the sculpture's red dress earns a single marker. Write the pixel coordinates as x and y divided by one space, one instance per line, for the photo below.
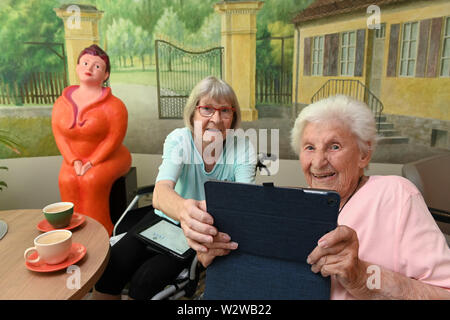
93 134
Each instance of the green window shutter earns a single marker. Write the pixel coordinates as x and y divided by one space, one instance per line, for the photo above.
393 51
359 59
331 53
433 52
307 57
424 33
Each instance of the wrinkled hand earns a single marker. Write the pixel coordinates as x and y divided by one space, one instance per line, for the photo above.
221 246
337 254
197 224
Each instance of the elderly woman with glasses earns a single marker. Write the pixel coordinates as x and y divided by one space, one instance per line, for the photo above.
212 109
199 152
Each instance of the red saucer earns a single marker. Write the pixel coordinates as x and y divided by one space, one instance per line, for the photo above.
77 252
77 220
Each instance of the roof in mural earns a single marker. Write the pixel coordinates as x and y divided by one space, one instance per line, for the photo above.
327 8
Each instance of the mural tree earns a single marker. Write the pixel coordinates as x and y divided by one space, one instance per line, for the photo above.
127 31
273 54
28 21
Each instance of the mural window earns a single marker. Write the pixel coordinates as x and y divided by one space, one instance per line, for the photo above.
408 49
380 33
348 49
445 60
317 56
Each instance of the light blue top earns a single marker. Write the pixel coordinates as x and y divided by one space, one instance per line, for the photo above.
183 164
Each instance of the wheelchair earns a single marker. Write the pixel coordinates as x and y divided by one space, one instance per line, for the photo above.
185 284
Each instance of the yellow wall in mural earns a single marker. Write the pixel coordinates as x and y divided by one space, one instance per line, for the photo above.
78 37
426 97
239 42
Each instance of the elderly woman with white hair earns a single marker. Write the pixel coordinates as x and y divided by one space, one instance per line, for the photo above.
387 245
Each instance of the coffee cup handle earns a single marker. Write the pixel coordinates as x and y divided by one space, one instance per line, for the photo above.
25 255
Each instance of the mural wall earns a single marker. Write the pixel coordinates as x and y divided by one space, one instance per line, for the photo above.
34 68
390 53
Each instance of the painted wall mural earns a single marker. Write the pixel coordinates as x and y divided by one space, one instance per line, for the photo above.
34 67
296 41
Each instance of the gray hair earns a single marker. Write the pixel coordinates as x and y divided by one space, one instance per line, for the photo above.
353 114
216 89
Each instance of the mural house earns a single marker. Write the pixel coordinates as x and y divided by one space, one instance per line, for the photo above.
392 54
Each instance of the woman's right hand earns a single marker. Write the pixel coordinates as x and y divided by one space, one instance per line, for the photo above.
200 233
197 224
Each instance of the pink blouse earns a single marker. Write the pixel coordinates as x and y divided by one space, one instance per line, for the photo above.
396 231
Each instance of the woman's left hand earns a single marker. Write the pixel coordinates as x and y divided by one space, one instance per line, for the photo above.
337 254
85 168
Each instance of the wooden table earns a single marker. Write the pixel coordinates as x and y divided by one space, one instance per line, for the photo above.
17 282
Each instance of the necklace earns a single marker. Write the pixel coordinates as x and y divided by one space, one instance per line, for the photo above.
354 191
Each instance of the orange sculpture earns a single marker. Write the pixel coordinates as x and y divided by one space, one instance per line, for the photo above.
89 125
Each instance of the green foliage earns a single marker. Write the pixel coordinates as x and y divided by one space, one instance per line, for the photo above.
279 10
193 13
126 29
275 20
125 39
263 56
10 143
280 58
202 34
26 21
33 137
148 13
7 141
169 25
3 183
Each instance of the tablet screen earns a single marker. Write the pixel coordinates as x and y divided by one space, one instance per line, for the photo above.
167 235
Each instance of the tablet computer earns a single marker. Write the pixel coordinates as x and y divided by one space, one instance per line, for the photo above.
165 236
276 229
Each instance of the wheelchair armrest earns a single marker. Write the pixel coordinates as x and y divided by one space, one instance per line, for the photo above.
440 215
145 189
140 192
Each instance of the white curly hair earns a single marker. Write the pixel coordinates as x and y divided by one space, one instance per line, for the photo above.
353 114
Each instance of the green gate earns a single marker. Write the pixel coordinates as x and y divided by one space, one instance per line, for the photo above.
178 71
273 84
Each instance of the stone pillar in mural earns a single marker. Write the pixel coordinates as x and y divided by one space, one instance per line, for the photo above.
239 41
80 30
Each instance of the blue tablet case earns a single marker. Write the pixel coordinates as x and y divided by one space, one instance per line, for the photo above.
276 229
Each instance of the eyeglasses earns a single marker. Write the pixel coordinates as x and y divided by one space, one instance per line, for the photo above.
208 111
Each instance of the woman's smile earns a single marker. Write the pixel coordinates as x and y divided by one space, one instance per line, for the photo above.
324 176
330 157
